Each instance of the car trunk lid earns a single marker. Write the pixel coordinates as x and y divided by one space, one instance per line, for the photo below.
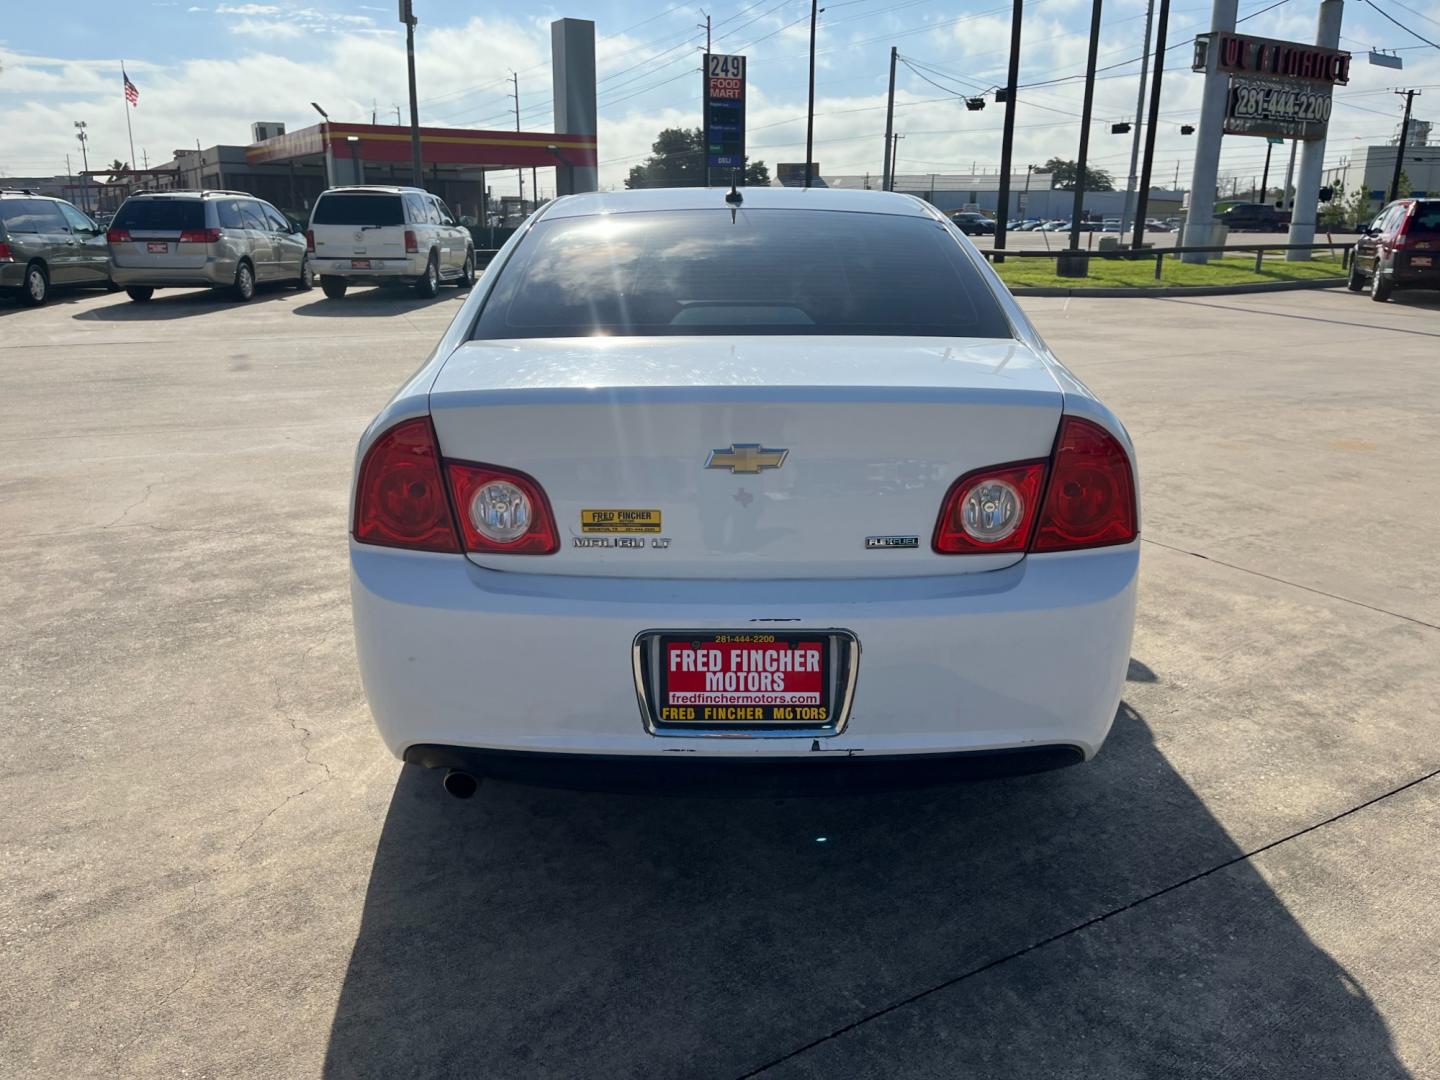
772 457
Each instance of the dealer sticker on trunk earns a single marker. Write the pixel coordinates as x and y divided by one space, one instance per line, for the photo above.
619 521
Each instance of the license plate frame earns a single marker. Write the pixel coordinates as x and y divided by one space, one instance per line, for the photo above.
740 710
157 247
1423 261
359 264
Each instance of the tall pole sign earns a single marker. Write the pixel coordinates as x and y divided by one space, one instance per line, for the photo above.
724 97
1279 89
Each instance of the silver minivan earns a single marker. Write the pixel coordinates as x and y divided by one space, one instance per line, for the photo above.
222 239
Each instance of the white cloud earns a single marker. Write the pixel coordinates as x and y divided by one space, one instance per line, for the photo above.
247 9
269 29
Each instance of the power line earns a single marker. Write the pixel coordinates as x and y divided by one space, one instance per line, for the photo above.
1397 22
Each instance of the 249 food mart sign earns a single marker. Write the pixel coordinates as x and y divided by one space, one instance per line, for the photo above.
1277 88
724 98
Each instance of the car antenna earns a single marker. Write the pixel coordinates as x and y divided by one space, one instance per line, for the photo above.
734 198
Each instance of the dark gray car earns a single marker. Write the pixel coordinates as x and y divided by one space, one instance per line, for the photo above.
45 243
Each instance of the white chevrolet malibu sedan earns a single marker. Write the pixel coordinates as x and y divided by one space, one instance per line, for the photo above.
698 481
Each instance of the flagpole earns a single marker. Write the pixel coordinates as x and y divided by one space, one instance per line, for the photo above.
123 80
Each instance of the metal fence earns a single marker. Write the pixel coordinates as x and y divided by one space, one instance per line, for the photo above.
1159 255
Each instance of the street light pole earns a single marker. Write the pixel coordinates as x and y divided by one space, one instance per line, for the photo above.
810 112
84 160
417 170
887 182
1007 136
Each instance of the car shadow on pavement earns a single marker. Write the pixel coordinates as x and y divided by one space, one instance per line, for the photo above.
532 932
370 303
60 296
183 304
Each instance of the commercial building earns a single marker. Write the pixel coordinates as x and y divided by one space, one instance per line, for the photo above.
291 168
1373 168
1030 195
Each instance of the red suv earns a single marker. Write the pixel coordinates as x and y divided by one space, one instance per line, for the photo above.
1400 249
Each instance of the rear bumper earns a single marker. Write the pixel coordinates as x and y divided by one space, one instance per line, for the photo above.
456 656
695 774
12 275
391 270
214 273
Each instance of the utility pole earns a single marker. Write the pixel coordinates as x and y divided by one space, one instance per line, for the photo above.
1142 196
519 173
1265 175
1400 149
407 16
810 111
1176 186
894 153
1079 204
69 178
1007 137
1139 120
887 182
707 28
83 138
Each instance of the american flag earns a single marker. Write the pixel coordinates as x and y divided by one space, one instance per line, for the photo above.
132 95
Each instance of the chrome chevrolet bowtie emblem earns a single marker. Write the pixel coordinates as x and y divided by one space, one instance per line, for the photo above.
746 458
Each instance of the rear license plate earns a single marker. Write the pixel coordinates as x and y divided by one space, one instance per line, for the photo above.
1420 260
727 680
157 249
359 264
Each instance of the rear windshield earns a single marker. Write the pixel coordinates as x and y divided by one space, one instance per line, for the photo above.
160 214
359 210
1425 222
767 272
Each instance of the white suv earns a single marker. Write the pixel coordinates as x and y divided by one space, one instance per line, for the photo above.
383 235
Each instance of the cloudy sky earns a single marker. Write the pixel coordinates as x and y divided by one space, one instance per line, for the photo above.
206 70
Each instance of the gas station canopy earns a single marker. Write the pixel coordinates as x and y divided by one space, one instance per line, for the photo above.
446 147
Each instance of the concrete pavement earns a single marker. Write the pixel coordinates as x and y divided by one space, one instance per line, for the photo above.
212 868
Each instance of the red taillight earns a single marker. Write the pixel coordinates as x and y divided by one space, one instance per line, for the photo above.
118 236
1404 230
400 497
411 244
309 239
200 236
1001 501
524 509
1087 500
1090 500
6 255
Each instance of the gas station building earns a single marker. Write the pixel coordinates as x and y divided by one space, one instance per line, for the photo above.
291 168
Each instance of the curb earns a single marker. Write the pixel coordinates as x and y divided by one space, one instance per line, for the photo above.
1180 290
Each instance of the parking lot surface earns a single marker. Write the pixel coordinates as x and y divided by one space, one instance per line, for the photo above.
212 867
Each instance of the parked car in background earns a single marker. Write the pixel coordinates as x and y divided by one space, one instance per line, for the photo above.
375 235
1400 249
1254 217
190 239
47 243
973 223
1110 224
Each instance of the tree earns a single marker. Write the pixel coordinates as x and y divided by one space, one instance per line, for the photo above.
1064 173
117 168
677 159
